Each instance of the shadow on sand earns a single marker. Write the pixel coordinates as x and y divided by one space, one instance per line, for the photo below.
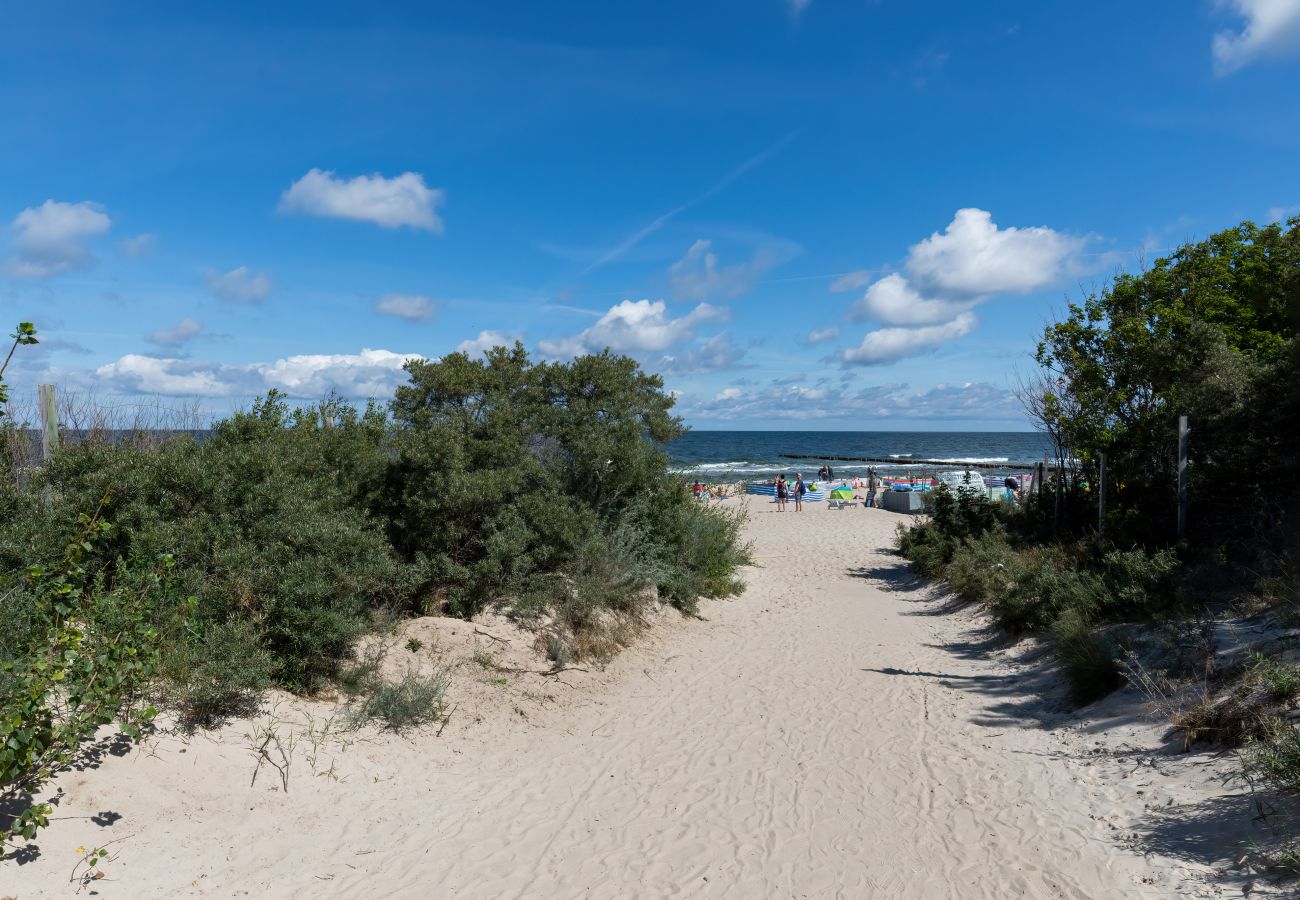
90 755
1029 692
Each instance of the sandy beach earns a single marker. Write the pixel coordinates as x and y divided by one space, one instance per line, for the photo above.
836 731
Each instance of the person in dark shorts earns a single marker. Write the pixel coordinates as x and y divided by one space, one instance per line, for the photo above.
799 490
782 491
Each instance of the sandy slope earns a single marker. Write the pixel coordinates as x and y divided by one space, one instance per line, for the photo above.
831 733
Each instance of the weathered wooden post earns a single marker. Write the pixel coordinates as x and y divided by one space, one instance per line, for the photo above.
1101 500
1183 432
49 420
1060 476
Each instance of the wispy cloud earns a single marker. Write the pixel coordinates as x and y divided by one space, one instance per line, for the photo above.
663 219
407 307
823 335
713 355
140 245
697 275
239 285
177 335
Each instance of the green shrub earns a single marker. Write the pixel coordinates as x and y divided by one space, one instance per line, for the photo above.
1273 758
83 654
265 523
542 489
927 546
1089 658
215 670
703 553
1280 680
983 568
1138 582
361 676
413 701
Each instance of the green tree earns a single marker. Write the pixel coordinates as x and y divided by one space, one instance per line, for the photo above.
1200 333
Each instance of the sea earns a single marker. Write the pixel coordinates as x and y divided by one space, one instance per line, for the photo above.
749 455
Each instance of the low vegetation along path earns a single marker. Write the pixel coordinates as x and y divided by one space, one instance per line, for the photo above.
833 732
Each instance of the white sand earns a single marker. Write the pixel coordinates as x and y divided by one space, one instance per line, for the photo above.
833 732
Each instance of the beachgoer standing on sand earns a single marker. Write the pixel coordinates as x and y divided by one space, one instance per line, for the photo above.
799 490
871 488
781 492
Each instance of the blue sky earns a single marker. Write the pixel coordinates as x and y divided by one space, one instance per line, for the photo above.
804 214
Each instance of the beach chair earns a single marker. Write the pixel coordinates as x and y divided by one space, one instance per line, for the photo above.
840 498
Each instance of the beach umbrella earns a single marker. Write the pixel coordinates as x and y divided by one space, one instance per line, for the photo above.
842 493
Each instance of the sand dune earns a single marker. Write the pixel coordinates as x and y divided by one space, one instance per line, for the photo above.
826 734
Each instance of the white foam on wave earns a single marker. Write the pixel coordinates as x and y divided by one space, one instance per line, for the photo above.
720 467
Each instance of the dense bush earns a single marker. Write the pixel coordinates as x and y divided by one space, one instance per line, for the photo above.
989 553
540 489
80 653
265 523
546 488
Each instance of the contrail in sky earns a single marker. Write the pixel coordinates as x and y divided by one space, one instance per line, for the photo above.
637 237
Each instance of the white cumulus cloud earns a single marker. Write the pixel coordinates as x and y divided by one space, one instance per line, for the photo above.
370 373
894 301
1271 29
239 285
946 275
974 258
50 238
791 400
485 341
886 345
408 307
389 202
635 326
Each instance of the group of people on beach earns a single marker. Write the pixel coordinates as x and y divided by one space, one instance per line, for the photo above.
707 492
786 490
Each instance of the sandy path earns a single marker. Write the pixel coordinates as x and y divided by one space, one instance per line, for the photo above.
820 736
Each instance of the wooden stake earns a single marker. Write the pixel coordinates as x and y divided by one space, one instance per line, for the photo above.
49 420
1183 432
1101 500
